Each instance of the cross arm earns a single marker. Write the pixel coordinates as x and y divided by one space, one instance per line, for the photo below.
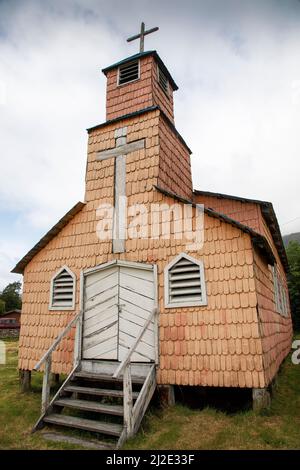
121 150
137 36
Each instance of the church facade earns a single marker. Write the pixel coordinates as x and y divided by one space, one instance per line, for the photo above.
212 266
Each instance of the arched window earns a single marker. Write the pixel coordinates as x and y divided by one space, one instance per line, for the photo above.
62 291
184 282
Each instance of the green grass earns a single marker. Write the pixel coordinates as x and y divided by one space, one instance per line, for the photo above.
175 428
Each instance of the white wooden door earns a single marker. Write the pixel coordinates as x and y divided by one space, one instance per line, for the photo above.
117 303
100 327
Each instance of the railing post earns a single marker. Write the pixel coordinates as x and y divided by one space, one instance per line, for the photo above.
46 384
127 398
78 337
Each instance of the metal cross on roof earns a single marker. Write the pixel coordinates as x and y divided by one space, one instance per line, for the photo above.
142 35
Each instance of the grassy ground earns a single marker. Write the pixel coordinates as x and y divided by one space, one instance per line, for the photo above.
175 428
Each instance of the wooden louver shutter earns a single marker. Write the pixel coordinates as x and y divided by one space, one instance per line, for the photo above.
63 290
163 81
185 282
128 72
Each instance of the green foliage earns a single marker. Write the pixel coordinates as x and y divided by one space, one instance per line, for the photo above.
11 297
2 306
293 254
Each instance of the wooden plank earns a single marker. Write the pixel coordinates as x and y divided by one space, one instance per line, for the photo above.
121 150
46 384
92 322
98 321
144 399
86 405
96 276
137 271
76 441
100 308
112 429
94 348
127 357
101 285
103 333
105 296
101 392
107 378
139 286
143 302
127 400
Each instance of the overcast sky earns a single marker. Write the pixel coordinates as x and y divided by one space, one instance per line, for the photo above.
237 64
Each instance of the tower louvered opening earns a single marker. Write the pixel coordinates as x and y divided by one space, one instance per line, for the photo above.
185 282
128 72
163 81
63 290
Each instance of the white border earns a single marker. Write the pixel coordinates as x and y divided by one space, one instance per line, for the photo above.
71 307
202 281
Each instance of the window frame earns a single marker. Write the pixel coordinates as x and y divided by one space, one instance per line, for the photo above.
69 307
197 303
131 81
280 298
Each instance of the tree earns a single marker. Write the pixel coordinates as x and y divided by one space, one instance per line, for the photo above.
293 254
2 306
11 296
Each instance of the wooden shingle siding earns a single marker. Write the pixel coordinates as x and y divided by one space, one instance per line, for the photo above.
276 330
218 344
138 95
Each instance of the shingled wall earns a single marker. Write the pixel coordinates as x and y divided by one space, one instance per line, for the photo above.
218 344
139 94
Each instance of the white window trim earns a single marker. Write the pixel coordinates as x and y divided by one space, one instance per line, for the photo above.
71 307
202 281
280 294
131 81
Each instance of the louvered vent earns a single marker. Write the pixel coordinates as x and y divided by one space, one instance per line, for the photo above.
63 290
128 72
163 81
185 282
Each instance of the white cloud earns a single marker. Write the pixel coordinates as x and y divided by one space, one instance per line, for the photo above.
238 105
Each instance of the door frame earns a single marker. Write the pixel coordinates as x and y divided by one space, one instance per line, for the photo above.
127 264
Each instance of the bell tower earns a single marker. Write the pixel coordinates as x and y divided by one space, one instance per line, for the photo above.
138 82
138 147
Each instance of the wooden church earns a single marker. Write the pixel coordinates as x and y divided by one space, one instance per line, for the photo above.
123 309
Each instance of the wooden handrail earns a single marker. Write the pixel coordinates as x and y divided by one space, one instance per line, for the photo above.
57 341
133 347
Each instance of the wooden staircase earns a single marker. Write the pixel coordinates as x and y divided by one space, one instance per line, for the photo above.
104 399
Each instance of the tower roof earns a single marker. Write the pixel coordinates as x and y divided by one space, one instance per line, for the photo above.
140 55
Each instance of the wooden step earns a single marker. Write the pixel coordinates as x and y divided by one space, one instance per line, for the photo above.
101 392
106 378
92 444
90 406
111 429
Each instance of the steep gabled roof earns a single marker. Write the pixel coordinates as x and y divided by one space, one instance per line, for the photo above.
20 266
257 239
269 215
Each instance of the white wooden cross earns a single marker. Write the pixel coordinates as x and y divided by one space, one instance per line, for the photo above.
119 152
